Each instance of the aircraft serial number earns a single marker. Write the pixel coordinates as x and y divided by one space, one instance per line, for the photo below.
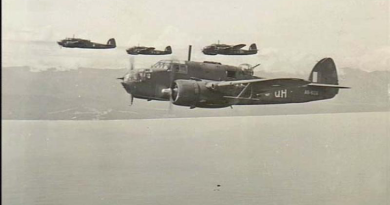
311 92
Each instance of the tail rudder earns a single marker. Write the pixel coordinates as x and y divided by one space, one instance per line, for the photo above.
324 78
324 72
168 49
111 42
253 47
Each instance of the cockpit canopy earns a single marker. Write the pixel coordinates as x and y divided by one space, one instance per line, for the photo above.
75 40
165 64
209 47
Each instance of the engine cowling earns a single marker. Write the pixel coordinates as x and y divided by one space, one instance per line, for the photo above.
191 93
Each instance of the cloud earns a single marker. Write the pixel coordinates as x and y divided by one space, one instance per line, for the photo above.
45 33
378 59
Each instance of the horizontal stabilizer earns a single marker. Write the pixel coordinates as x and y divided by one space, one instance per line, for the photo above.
327 85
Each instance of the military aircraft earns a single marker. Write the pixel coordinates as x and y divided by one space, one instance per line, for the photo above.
213 85
83 43
142 50
224 49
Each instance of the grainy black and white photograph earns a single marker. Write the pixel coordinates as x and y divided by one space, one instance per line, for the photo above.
215 102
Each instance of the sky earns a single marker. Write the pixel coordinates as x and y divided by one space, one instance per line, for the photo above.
290 35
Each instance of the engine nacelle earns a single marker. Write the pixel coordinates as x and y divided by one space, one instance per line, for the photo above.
192 92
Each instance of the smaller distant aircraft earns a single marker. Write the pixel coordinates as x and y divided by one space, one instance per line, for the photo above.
142 50
224 49
83 43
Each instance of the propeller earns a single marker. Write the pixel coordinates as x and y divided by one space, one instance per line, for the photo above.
172 76
131 68
131 99
172 79
131 63
59 44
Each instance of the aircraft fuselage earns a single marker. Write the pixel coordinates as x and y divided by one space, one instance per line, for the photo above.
155 84
82 43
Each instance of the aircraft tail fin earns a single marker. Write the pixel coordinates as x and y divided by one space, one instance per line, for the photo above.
111 42
324 77
253 47
324 72
168 49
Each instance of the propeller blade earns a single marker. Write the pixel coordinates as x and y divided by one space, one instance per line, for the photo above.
172 79
131 63
129 72
170 108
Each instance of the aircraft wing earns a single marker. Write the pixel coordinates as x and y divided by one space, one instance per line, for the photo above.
235 47
263 84
239 46
149 49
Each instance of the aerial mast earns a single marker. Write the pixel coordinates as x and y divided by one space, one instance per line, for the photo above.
189 52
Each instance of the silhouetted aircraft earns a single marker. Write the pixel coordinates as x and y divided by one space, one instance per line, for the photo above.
83 43
224 49
142 50
213 85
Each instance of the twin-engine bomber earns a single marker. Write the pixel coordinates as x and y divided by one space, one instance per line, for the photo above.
213 85
142 50
224 49
83 43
